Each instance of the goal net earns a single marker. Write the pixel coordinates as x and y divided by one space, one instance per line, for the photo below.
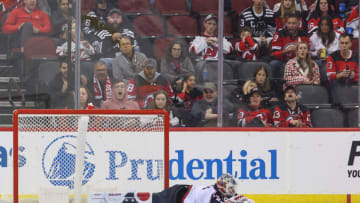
121 150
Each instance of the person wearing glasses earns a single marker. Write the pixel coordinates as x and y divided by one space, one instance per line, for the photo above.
176 64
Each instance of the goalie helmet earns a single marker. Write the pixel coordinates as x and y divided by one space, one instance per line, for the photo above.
226 185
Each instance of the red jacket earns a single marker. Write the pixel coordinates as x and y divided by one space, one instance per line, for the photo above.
283 115
354 15
282 40
141 90
336 63
247 49
313 24
38 18
246 115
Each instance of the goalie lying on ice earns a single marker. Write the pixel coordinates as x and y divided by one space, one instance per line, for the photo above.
223 191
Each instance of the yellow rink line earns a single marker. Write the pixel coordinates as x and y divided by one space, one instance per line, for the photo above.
313 198
285 198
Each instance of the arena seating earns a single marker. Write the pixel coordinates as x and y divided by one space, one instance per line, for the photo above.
238 5
327 118
47 71
313 96
149 26
161 46
166 7
246 70
346 96
135 7
207 71
182 26
211 6
87 6
352 117
36 49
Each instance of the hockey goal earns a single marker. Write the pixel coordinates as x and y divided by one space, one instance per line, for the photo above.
121 150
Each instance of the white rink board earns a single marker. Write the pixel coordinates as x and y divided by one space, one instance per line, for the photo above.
306 162
292 162
110 160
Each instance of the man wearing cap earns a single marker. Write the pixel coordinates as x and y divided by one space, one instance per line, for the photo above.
291 113
145 83
206 45
253 115
204 111
105 38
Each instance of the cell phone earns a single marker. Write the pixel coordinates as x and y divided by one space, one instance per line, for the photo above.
347 67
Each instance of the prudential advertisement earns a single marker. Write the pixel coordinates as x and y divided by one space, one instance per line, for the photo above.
262 162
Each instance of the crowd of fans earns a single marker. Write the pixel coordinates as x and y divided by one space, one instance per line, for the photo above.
304 44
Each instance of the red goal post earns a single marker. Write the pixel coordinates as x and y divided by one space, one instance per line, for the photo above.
125 149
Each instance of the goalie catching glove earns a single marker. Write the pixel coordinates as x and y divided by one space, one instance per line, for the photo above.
239 199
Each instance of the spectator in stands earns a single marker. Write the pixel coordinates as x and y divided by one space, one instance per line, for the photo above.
176 64
86 50
127 62
100 85
301 69
342 66
185 99
253 115
60 19
206 45
7 6
119 99
247 48
323 8
300 6
284 45
263 82
24 22
353 22
261 22
291 113
61 88
239 95
96 18
106 38
86 99
325 40
145 83
248 86
288 7
204 111
161 101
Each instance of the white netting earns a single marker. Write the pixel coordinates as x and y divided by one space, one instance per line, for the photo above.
69 123
123 152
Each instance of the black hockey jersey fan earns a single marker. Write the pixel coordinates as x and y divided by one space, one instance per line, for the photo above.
260 25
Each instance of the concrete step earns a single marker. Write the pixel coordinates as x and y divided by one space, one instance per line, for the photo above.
18 104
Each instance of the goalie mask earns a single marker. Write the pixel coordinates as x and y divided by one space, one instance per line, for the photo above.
226 185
